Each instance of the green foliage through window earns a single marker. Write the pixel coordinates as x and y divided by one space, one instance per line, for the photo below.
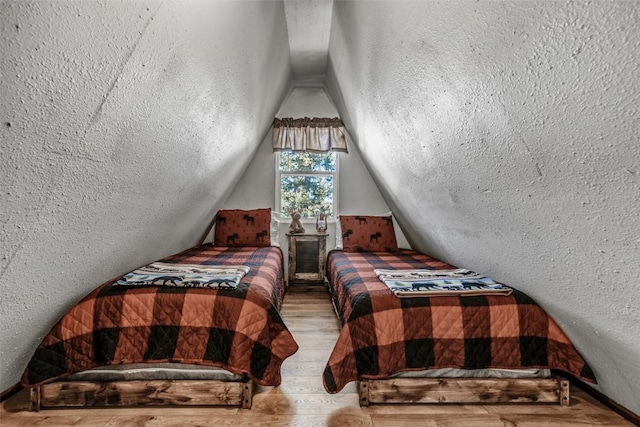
307 183
301 162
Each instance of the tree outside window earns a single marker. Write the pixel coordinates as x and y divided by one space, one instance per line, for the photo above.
307 182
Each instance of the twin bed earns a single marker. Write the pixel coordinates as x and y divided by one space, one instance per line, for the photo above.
485 347
173 342
208 342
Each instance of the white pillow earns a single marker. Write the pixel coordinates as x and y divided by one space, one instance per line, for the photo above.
275 228
338 234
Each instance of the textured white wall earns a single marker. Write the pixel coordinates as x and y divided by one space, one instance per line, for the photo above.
124 128
505 135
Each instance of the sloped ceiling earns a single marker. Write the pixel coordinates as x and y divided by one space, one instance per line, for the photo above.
309 24
125 126
502 134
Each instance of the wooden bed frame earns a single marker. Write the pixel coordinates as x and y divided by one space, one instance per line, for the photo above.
464 390
142 393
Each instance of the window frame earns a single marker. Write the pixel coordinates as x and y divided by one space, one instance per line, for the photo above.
334 174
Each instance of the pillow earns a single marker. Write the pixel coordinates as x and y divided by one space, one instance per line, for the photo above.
237 227
275 229
361 233
338 235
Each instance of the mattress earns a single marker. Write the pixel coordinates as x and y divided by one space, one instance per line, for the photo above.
475 373
155 371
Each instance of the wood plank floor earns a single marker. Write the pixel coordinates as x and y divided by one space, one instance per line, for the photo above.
302 401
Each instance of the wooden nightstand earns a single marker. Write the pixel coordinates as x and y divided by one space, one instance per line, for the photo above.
306 258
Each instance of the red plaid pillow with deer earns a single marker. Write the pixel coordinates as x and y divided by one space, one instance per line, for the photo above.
237 227
362 233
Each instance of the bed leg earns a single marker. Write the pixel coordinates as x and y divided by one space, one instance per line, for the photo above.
247 394
363 393
564 391
34 397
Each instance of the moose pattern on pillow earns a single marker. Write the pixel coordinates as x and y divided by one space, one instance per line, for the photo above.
364 233
238 227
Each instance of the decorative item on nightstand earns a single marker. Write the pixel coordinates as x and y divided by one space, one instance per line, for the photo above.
321 223
296 224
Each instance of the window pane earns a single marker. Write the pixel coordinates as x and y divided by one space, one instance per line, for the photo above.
310 194
307 162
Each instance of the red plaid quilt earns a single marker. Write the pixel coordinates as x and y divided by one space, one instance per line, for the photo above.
383 335
239 329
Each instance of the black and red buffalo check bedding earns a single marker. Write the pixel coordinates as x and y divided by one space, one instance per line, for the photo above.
239 330
383 335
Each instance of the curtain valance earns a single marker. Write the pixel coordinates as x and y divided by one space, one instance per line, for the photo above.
305 134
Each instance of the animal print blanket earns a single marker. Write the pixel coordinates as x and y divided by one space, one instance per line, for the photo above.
423 282
185 275
383 335
239 329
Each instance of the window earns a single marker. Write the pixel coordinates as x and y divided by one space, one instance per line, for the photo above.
306 181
